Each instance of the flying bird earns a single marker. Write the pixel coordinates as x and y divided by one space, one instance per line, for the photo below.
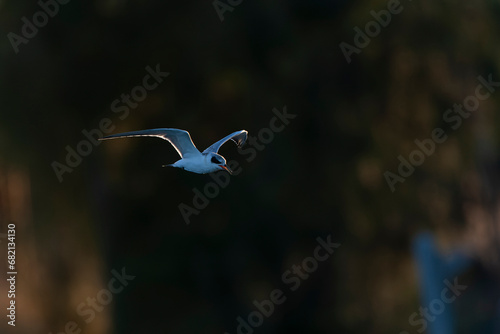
192 159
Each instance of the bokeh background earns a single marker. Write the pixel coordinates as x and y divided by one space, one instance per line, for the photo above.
323 175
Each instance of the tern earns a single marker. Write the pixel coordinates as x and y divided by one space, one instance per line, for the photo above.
192 159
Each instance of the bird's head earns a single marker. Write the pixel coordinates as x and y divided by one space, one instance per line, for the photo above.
218 162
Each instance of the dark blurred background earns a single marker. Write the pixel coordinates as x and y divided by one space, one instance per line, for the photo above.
324 175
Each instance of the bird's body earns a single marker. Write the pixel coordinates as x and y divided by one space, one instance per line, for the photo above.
192 159
197 164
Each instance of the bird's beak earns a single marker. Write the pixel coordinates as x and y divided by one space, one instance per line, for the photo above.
226 168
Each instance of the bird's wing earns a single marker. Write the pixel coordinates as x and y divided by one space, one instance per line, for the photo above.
180 139
239 137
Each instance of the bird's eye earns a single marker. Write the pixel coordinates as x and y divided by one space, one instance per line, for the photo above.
215 160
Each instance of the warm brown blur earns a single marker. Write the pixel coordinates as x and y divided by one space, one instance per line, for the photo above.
112 207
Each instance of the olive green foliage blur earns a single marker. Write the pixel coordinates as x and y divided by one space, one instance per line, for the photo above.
322 175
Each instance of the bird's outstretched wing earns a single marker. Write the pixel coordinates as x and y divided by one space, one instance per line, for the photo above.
180 139
239 137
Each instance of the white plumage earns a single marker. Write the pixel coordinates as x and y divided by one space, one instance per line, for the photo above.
191 158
